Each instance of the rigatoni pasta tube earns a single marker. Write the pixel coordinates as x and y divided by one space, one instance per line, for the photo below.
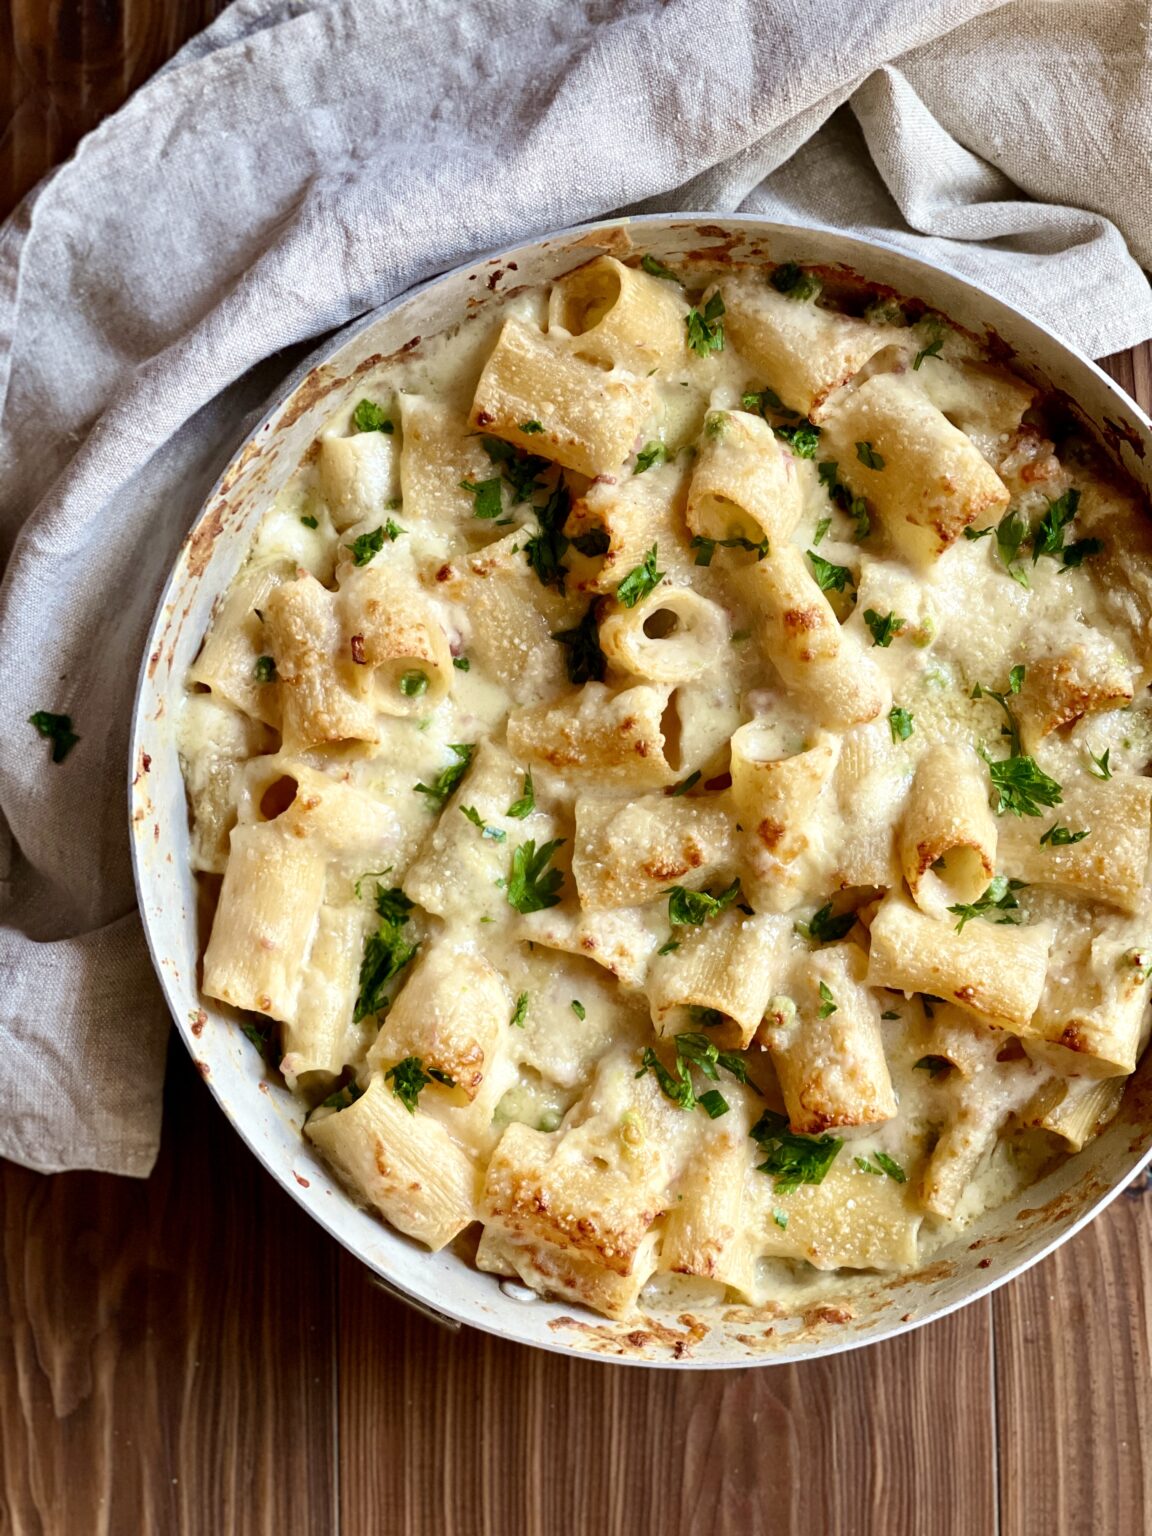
826 1045
1109 864
733 964
316 1035
405 1165
401 660
628 852
775 795
706 1233
744 484
673 635
948 832
803 351
438 450
802 637
1074 1108
633 512
926 479
318 697
618 315
358 476
589 419
995 972
599 736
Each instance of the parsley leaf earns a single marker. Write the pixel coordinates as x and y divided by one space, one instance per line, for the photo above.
586 661
1048 538
868 456
461 663
265 669
691 908
1021 785
594 542
792 281
365 545
386 953
695 1050
781 1219
767 400
414 683
1012 729
820 530
494 834
884 1165
713 1103
827 1002
706 548
520 1012
1060 837
532 886
792 1159
803 439
684 785
486 499
343 1098
829 577
655 268
854 507
823 928
443 785
706 327
578 1008
310 522
900 723
669 948
931 350
369 417
527 802
972 534
546 549
1011 531
884 627
1100 768
409 1080
531 427
640 581
1080 550
999 897
58 730
393 530
522 470
651 453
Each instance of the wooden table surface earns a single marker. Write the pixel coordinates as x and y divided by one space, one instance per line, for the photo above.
191 1354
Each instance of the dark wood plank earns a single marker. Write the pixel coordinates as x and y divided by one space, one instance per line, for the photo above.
463 1435
166 1348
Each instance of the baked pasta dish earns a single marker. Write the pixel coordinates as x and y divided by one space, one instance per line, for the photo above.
669 783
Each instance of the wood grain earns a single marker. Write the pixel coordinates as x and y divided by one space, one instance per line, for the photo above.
192 1357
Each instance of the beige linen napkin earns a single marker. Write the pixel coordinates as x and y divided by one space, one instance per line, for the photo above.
304 160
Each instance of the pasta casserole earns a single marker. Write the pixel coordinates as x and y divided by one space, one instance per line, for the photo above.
669 783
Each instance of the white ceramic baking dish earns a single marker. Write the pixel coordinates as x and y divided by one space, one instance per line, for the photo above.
862 1307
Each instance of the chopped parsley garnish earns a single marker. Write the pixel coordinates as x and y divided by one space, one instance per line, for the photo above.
1079 550
265 669
972 534
586 661
695 1050
706 548
486 500
803 439
999 897
520 1012
780 1218
684 785
651 453
494 834
655 268
310 522
884 626
827 1002
792 1159
1012 729
705 327
461 663
443 785
414 683
931 350
883 1165
526 803
640 581
365 545
1011 532
829 577
669 948
370 417
531 427
767 400
532 886
1021 785
594 542
373 874
393 530
343 1098
935 1066
854 507
1049 536
866 1167
262 1039
900 722
1060 837
824 928
792 281
522 470
713 1103
691 908
578 1008
546 549
868 456
58 730
821 529
409 1079
386 952
1100 768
